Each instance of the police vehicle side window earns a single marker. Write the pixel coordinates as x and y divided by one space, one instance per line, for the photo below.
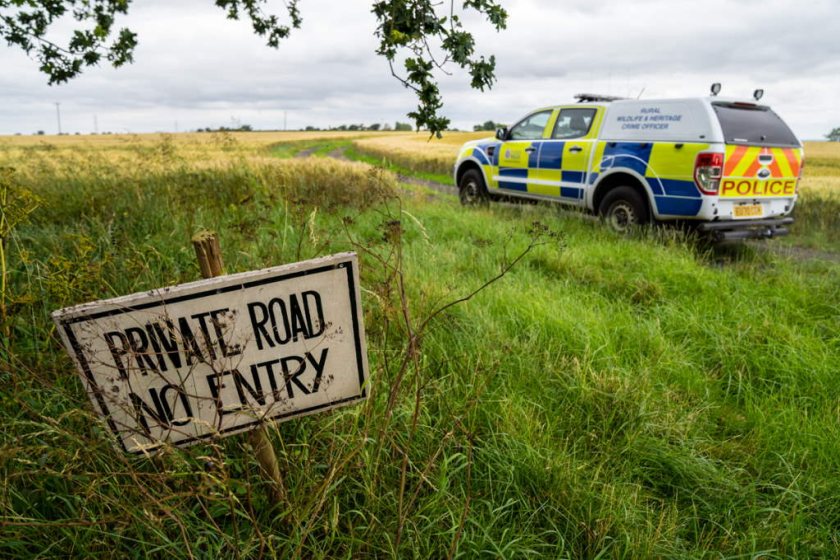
573 123
531 127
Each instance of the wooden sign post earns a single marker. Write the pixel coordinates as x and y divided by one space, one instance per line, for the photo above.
209 254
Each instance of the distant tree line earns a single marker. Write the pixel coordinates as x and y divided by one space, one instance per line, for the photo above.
399 126
834 135
343 127
243 128
487 125
42 133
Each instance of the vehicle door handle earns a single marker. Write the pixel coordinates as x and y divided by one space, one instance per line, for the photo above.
575 149
531 149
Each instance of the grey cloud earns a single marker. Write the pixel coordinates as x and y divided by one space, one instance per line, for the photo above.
664 37
196 67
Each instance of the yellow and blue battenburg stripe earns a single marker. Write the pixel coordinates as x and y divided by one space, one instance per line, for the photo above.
560 172
541 167
487 157
566 169
668 168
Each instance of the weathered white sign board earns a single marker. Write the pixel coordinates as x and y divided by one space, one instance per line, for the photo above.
215 357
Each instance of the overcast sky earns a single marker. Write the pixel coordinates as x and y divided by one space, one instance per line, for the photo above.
194 68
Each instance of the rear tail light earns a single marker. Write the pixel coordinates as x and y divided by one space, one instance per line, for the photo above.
708 169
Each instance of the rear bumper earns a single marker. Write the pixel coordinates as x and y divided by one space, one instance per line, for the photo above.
728 230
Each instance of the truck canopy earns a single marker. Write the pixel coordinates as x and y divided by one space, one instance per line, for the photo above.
669 120
708 120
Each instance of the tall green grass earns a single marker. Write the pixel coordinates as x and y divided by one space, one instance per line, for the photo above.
817 225
607 397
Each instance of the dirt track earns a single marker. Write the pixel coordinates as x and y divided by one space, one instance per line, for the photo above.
338 153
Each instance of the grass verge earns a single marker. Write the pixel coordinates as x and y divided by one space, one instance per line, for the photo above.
607 397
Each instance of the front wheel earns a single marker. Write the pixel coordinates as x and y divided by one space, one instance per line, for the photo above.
471 189
623 209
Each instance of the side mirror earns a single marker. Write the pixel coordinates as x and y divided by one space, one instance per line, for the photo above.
501 133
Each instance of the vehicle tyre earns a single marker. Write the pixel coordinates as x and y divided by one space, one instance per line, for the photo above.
471 189
623 209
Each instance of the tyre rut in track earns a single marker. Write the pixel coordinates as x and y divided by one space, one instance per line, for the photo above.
305 153
339 154
797 253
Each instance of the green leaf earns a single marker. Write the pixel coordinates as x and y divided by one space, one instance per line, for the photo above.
411 31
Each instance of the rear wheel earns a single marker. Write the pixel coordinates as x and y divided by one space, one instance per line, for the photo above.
471 189
623 209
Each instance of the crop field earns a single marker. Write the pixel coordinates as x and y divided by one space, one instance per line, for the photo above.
822 172
417 151
540 387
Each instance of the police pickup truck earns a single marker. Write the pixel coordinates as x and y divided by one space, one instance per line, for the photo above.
730 167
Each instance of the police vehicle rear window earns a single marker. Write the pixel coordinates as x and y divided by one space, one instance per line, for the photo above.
753 125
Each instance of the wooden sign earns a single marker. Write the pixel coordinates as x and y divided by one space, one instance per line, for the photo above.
218 356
